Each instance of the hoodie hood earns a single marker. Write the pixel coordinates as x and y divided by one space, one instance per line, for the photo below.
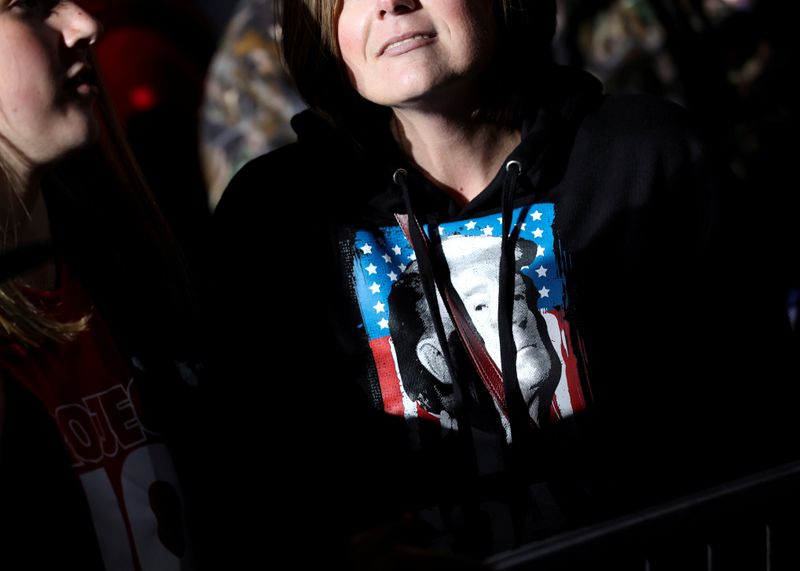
547 128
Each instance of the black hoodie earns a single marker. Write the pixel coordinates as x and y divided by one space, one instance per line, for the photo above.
642 365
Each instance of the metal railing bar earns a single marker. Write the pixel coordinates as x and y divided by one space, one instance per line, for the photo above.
579 538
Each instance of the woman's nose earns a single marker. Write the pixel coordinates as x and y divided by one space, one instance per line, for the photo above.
395 7
77 25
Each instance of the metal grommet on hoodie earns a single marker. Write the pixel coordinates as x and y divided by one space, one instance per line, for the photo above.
399 172
510 164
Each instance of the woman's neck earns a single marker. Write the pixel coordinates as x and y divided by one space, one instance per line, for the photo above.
460 155
25 222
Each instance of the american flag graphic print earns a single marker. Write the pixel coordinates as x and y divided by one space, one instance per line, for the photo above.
381 258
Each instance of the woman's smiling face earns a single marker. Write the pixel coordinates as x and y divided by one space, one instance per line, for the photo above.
415 53
48 86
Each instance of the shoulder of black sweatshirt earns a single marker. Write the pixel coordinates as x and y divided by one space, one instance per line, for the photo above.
683 344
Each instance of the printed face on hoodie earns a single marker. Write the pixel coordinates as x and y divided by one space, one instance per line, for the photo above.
415 53
46 85
474 265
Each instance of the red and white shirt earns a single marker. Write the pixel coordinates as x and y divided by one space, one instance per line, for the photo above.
126 470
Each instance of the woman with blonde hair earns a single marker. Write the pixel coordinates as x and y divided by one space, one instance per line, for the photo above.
94 318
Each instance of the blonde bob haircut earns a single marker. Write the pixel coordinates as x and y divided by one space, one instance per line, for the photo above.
525 30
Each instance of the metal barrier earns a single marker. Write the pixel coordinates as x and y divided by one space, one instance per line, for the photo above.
750 524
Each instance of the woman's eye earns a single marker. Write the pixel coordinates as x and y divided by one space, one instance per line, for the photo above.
35 7
480 307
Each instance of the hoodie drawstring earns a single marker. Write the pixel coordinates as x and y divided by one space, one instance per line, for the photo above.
518 416
427 278
518 455
505 390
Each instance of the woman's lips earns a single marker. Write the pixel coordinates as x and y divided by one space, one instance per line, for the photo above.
404 43
82 80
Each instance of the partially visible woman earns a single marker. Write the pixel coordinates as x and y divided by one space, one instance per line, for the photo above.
95 378
514 300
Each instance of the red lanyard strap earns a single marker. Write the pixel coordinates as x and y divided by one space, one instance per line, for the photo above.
470 338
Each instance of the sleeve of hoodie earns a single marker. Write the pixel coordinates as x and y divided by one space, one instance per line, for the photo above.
740 377
691 356
267 389
282 394
737 320
754 361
